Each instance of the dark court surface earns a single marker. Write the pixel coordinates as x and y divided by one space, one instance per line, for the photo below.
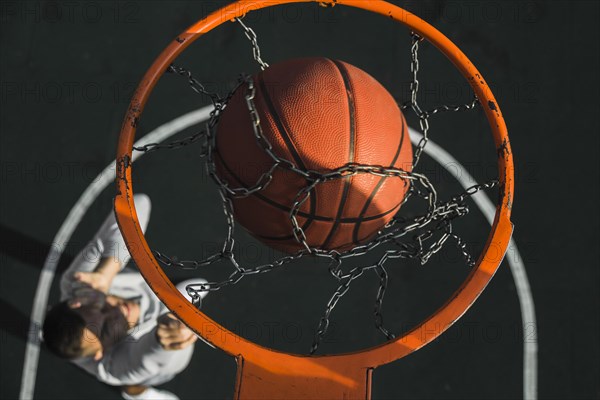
68 69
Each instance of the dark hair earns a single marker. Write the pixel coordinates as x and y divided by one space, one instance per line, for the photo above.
63 330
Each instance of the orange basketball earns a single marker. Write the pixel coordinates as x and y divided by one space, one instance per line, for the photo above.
320 114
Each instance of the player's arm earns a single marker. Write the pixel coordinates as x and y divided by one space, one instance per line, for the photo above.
101 278
163 347
172 334
104 256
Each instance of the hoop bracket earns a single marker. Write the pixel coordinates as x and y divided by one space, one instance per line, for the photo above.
306 378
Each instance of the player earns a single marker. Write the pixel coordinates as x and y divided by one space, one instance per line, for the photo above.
110 323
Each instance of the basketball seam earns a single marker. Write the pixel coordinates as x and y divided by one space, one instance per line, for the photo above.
341 246
281 129
283 133
301 214
342 222
378 186
351 115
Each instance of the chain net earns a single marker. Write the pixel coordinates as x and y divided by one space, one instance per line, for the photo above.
418 237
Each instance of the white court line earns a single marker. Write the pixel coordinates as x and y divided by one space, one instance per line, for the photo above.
196 117
517 268
106 177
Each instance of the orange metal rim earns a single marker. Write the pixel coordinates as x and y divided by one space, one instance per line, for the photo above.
226 340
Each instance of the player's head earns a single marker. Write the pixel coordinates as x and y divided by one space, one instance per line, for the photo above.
85 326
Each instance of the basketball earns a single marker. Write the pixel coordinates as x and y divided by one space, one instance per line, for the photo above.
319 114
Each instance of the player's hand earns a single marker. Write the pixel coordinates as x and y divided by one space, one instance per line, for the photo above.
95 280
173 334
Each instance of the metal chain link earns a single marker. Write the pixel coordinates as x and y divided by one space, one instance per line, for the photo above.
342 289
414 104
446 107
254 41
431 230
219 104
383 281
453 108
176 144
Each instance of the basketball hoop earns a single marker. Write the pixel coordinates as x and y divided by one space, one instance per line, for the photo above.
267 373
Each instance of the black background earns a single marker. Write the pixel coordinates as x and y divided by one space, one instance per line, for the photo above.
68 70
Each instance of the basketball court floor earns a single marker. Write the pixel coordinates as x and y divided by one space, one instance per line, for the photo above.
68 70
